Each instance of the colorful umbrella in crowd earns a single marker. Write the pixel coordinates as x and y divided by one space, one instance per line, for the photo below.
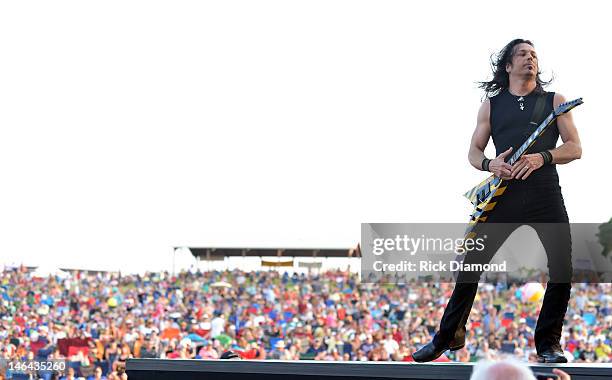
225 340
196 338
170 333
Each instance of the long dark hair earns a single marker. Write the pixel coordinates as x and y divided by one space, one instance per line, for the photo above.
501 79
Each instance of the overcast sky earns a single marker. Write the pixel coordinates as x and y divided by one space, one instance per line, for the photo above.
130 127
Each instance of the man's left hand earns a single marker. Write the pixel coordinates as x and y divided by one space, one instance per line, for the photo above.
526 165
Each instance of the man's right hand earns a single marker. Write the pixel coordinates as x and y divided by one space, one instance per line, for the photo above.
561 375
500 167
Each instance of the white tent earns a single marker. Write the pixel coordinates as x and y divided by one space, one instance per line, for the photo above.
46 270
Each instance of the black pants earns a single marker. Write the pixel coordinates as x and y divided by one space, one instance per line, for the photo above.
540 205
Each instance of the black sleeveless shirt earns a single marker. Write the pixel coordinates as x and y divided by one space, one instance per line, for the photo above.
510 127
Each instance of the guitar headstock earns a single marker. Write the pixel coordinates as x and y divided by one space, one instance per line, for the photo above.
567 106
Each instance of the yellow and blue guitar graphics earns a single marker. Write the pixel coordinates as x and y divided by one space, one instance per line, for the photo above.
485 195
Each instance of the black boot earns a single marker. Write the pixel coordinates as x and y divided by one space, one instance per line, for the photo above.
432 351
552 355
429 352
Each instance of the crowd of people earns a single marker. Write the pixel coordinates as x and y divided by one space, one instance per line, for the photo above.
96 321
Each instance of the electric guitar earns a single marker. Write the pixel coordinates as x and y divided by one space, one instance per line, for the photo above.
485 195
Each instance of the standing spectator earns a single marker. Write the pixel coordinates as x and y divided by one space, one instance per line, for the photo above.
390 345
368 345
208 352
97 375
278 352
217 325
150 350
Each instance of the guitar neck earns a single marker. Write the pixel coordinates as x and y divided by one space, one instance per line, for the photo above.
517 155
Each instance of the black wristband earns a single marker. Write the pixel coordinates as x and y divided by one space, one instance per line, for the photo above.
485 164
547 156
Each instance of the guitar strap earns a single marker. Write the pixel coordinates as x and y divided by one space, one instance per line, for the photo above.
538 110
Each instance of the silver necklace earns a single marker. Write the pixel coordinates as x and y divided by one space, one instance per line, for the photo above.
521 101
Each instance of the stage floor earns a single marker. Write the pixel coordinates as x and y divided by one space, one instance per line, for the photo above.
160 369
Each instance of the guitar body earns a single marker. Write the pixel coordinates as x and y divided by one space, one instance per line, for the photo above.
484 197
